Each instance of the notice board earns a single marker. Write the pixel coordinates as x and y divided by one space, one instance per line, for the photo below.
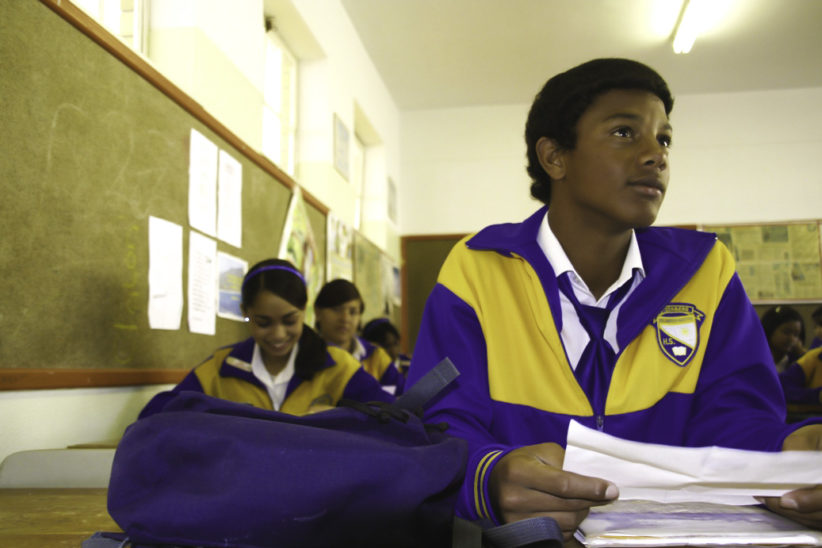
94 142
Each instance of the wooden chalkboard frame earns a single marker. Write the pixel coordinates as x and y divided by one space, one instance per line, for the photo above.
51 378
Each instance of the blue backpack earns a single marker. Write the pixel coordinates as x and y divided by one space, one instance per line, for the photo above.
210 472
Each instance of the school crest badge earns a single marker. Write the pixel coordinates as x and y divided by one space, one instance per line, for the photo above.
677 330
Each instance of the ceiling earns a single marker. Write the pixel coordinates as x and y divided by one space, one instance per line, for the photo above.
451 53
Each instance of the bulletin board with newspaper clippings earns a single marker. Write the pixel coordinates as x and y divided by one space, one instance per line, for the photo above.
777 262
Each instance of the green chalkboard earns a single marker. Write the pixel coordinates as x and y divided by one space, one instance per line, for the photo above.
89 150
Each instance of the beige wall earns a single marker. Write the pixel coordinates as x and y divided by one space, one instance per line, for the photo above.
740 157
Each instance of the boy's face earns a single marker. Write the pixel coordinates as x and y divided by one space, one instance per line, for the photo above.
617 174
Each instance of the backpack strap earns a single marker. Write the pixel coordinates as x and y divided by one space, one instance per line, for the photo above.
418 396
540 532
527 532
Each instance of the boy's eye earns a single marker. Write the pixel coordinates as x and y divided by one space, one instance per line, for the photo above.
665 140
623 132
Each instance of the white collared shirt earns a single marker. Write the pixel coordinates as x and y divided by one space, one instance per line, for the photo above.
275 386
359 349
574 336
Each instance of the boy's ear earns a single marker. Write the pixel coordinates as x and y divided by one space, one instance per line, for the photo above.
551 158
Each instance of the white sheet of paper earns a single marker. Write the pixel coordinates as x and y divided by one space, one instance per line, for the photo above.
165 274
202 184
230 204
665 473
202 284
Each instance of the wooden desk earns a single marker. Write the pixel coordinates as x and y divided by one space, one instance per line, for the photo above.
36 518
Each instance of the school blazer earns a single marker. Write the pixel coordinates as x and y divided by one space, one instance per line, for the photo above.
693 367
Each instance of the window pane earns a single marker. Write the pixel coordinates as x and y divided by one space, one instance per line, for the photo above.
272 135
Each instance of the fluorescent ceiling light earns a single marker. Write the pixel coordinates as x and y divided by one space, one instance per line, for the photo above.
691 22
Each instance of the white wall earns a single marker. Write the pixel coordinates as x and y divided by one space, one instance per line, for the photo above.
342 82
740 157
54 419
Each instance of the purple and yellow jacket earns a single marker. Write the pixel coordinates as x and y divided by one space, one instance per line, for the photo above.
693 367
227 374
378 363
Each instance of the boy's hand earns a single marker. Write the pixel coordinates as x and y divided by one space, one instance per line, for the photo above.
801 505
530 482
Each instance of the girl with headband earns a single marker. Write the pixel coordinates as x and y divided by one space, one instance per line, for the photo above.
284 365
338 309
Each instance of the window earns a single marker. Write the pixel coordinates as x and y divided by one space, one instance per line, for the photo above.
125 19
358 178
280 103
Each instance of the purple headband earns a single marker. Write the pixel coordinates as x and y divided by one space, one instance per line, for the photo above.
273 267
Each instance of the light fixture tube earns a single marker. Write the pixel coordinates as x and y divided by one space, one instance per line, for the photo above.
688 26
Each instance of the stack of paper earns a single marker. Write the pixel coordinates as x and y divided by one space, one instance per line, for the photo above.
649 523
685 496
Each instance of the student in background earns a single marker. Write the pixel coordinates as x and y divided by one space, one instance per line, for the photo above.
785 332
382 332
284 365
338 312
802 380
817 328
585 312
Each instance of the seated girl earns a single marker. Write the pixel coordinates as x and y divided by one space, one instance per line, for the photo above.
285 365
802 380
785 331
338 310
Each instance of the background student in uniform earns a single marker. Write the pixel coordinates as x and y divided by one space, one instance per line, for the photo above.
338 312
382 332
785 332
817 328
802 379
584 312
284 365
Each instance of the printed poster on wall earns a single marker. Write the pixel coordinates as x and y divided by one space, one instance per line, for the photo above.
202 183
776 262
230 200
340 249
202 283
300 247
231 271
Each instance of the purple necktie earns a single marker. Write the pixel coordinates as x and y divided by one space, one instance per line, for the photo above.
595 366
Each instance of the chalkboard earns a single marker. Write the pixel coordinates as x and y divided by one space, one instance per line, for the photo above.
90 149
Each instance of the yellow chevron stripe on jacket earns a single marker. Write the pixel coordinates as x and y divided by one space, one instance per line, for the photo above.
326 386
377 363
488 283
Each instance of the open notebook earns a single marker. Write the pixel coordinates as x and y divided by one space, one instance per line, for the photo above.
649 523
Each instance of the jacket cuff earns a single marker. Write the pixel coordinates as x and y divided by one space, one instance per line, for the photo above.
475 502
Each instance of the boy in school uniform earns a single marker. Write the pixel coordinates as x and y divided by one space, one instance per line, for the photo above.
584 312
